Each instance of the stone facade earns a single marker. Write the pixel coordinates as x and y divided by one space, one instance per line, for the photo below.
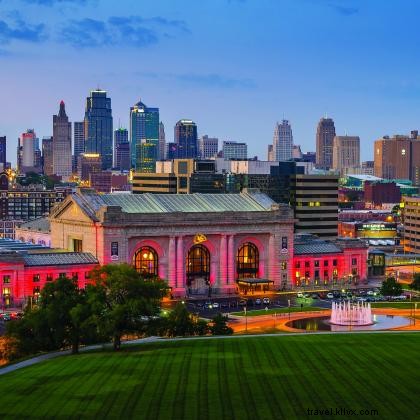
115 236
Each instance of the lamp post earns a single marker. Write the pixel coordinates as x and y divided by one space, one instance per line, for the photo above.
246 320
288 304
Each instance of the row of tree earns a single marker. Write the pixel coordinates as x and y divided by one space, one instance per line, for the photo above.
391 287
118 302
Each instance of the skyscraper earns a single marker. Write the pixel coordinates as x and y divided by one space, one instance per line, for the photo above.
186 139
120 136
62 144
78 141
324 143
270 153
208 147
283 141
162 142
98 126
47 155
144 129
2 152
346 153
26 152
235 150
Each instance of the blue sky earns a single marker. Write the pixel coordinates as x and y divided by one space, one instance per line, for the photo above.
233 66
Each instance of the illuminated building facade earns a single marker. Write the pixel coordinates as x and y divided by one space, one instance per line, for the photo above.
411 220
201 243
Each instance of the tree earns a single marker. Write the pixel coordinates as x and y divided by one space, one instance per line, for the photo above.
390 287
219 325
123 301
415 285
180 322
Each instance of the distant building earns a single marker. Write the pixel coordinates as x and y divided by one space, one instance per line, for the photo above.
2 152
309 157
144 130
270 153
27 159
283 141
398 157
78 142
47 156
98 126
62 155
411 220
162 142
185 136
378 193
35 231
234 150
208 147
171 151
324 143
120 137
101 181
87 164
367 167
297 152
346 153
122 156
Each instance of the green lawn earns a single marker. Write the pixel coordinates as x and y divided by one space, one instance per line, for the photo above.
258 312
397 305
235 378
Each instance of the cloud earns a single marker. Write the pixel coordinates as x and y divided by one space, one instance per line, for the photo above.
344 10
21 31
132 30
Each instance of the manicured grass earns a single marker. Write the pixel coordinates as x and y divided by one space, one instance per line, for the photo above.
397 305
235 378
258 312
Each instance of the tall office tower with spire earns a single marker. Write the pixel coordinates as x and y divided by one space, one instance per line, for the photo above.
98 126
325 134
186 139
162 142
78 142
62 144
283 141
144 137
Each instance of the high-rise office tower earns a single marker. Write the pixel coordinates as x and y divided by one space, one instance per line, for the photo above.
2 152
162 142
78 142
398 157
208 147
234 150
122 157
47 155
98 126
144 129
270 153
325 134
120 137
26 151
62 144
186 139
346 153
283 141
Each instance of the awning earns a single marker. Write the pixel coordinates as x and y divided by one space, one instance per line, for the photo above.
254 282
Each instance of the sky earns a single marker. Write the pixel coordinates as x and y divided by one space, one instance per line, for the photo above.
235 67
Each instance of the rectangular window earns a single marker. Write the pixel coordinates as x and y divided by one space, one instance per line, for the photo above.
307 274
74 276
77 245
182 167
114 249
325 263
49 277
36 278
354 271
284 242
62 275
306 263
354 261
6 291
182 182
316 263
6 279
335 263
297 264
284 265
335 272
316 274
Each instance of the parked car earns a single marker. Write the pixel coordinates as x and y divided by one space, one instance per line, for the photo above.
300 295
370 293
258 301
266 301
330 296
216 305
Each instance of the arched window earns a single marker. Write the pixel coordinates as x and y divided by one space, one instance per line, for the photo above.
146 261
198 264
247 261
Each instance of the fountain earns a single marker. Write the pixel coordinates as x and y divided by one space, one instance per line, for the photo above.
351 314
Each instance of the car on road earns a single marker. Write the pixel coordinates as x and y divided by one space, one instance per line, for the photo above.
370 293
300 295
216 305
266 301
330 296
258 301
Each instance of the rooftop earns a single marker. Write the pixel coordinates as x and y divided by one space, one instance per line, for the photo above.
42 224
183 203
59 258
15 245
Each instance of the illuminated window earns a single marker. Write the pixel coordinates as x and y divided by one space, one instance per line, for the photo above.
198 264
36 277
297 274
49 277
146 261
284 265
297 264
403 152
316 263
247 261
6 279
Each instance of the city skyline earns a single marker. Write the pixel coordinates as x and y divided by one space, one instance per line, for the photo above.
224 87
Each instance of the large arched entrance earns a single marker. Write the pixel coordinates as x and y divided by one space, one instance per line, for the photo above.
146 261
198 270
247 264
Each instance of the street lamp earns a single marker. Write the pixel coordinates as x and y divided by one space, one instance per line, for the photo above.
246 320
288 303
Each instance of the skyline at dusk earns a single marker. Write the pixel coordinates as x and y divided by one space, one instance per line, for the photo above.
215 63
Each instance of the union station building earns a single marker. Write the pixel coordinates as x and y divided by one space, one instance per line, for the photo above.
203 244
